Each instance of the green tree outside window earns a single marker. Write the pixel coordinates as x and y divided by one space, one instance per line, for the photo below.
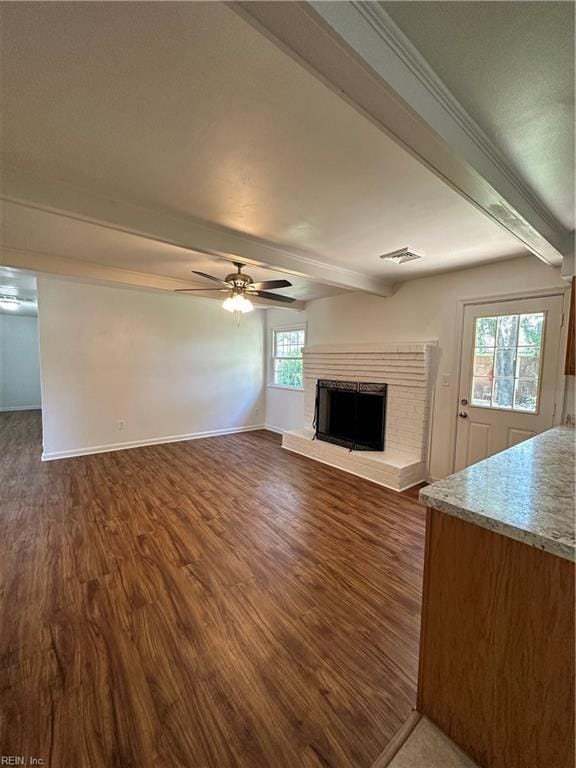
287 357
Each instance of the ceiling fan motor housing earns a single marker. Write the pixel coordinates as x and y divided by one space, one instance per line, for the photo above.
238 280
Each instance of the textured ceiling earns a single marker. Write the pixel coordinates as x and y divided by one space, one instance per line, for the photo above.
511 66
186 108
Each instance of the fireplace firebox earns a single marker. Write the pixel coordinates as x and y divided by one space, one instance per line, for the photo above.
351 414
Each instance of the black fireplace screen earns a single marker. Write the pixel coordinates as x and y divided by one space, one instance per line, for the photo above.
351 414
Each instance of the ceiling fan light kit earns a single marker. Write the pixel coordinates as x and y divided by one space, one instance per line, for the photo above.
238 303
240 287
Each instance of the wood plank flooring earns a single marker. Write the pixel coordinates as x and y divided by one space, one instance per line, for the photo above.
220 603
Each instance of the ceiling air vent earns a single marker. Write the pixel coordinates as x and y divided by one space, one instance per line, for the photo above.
401 256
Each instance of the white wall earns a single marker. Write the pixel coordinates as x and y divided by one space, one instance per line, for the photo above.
284 407
19 363
168 365
425 310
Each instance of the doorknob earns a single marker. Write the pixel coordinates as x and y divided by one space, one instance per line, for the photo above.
463 415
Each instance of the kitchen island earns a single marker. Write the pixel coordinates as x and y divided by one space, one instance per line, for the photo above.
498 634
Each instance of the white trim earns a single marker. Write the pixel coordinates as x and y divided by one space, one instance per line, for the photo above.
89 450
272 428
560 375
21 408
433 373
288 326
303 326
536 293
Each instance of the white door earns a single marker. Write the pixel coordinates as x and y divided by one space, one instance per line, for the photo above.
508 375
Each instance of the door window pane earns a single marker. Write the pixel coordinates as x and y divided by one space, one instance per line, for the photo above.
486 331
528 363
526 395
506 370
530 334
505 361
507 335
484 362
503 394
482 391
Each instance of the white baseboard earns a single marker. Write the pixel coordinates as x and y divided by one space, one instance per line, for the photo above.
272 428
88 451
21 408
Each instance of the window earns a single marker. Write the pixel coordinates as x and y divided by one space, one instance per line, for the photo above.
507 354
287 369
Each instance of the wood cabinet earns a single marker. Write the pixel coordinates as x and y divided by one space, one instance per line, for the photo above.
497 647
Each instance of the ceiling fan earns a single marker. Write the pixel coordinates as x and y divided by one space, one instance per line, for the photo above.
239 287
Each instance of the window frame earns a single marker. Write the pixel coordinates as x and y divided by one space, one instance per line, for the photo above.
272 354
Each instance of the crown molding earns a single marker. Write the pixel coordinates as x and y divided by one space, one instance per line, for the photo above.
412 59
359 52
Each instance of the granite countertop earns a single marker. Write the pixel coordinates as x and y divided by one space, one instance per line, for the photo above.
525 492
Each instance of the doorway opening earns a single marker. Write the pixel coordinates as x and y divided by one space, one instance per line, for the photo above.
20 389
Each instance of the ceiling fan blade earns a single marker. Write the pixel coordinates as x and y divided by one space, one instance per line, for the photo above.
273 296
268 285
209 277
201 290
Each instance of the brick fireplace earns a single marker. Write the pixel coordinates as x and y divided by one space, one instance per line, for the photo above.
407 371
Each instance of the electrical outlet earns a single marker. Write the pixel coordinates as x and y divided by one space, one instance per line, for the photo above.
121 424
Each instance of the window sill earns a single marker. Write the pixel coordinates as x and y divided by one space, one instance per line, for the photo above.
284 386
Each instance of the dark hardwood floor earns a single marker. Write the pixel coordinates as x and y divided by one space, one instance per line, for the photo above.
211 604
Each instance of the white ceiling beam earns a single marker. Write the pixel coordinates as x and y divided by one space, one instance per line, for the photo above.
78 269
182 231
357 50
